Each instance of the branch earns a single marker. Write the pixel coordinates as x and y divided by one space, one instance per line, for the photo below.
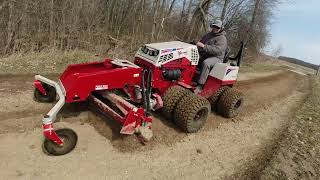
171 7
205 25
3 5
113 39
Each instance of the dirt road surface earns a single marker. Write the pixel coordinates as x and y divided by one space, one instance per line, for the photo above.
224 148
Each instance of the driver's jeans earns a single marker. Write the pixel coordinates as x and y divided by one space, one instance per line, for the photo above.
206 66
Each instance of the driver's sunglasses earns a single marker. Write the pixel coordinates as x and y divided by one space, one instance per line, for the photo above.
215 27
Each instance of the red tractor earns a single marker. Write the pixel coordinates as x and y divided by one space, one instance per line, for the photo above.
161 78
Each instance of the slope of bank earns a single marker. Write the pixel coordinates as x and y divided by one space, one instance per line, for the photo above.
299 152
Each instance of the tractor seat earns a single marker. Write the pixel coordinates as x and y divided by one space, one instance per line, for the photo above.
234 61
226 58
226 55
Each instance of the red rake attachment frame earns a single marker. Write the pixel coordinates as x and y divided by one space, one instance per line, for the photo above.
132 119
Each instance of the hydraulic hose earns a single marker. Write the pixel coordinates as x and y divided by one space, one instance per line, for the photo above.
143 89
148 94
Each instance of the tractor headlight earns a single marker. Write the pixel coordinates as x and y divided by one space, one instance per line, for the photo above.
150 52
153 52
144 49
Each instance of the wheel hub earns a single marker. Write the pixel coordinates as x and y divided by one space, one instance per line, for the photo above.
238 104
200 115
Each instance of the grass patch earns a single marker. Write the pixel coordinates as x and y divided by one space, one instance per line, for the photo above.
55 62
259 67
51 61
299 153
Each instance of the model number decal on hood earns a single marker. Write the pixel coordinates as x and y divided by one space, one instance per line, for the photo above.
101 87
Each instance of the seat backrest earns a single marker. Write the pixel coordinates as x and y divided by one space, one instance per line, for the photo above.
226 55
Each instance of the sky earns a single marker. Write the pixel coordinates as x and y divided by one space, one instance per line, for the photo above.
296 29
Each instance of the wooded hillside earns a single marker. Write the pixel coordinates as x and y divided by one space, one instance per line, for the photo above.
97 25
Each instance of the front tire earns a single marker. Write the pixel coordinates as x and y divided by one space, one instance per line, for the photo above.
171 98
191 113
69 138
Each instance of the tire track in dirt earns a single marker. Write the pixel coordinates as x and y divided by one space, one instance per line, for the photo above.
252 169
16 96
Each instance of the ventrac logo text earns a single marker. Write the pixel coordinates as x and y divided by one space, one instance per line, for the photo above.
229 70
170 50
182 52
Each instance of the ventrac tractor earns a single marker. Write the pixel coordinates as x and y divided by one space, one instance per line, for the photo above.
161 78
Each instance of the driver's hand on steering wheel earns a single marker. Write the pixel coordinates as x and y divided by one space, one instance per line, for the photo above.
200 44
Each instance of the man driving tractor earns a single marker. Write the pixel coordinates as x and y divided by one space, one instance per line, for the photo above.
212 49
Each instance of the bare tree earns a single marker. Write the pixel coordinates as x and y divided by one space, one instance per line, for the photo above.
277 51
199 18
254 15
13 25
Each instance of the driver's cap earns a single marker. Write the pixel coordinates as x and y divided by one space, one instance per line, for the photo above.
217 23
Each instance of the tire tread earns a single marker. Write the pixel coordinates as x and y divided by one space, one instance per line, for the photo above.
187 109
227 101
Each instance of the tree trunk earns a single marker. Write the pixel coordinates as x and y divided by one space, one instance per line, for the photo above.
139 26
189 11
2 5
10 29
182 12
64 40
51 36
163 16
171 7
253 23
254 15
154 25
199 18
111 15
125 14
224 10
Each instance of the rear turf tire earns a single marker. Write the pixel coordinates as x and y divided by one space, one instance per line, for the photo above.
69 138
230 103
171 98
191 113
214 99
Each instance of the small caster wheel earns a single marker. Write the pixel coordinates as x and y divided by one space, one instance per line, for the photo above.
69 139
